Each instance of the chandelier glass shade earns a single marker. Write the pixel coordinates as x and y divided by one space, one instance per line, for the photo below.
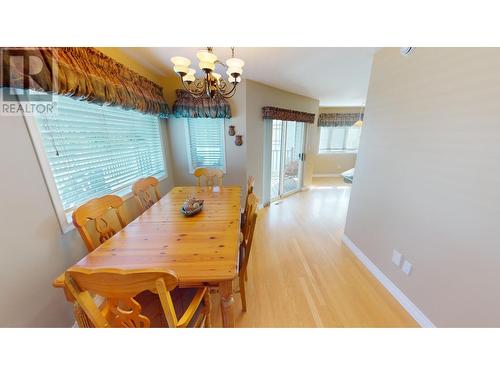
211 84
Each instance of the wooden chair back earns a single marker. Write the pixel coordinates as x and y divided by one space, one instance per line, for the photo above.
213 177
96 210
247 242
251 205
144 189
250 183
119 287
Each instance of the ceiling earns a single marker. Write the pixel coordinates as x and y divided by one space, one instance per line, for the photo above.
337 76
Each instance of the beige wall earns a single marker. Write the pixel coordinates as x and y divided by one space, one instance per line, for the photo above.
33 249
259 95
427 180
333 163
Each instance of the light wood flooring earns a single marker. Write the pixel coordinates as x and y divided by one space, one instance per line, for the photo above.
300 273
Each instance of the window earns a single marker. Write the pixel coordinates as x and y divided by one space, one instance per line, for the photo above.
88 151
339 139
205 143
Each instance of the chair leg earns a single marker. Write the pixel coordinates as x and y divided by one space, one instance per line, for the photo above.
208 307
81 318
242 294
246 276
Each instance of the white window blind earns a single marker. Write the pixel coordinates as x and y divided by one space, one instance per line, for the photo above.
339 139
205 140
94 150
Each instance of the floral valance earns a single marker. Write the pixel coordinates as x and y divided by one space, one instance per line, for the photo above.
338 119
81 73
188 106
283 114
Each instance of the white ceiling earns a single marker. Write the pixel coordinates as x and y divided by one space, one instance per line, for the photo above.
336 76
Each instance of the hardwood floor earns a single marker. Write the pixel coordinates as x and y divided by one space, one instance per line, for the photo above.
301 275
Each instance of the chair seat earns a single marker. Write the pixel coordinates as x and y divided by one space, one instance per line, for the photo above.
242 256
181 298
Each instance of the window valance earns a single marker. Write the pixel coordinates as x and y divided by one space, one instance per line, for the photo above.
338 119
188 106
287 115
82 73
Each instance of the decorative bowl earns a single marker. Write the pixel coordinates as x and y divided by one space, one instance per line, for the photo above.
191 212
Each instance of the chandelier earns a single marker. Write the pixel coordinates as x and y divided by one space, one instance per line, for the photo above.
211 84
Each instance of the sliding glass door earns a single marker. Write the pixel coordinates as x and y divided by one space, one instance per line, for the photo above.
287 156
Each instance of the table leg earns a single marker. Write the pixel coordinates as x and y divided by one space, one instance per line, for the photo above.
227 303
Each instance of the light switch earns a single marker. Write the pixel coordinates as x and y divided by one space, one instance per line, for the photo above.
407 267
396 257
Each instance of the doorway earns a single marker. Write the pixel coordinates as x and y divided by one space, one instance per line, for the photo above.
287 158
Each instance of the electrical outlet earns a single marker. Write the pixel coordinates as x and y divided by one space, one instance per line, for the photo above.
396 257
407 267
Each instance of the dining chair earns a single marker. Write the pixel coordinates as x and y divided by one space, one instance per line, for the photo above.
137 299
246 234
213 176
245 248
251 204
97 210
250 184
144 189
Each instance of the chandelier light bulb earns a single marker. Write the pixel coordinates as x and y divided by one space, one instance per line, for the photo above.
234 71
231 79
206 56
216 76
206 66
234 62
189 78
180 61
181 69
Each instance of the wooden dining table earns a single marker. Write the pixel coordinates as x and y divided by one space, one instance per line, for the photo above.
201 250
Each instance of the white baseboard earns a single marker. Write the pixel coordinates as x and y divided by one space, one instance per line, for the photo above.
407 304
327 175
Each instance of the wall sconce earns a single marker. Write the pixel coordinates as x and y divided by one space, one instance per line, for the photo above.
238 141
232 130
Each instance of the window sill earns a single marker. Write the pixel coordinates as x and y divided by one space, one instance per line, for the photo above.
338 152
